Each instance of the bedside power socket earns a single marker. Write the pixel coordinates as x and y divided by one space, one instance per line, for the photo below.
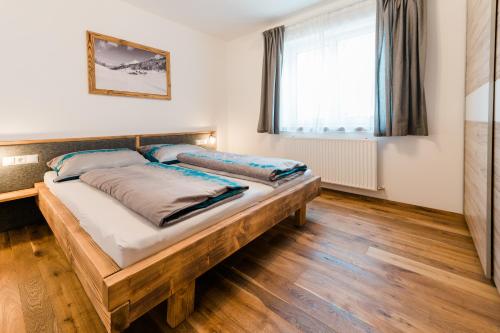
21 159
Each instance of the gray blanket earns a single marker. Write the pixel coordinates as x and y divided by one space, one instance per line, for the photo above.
247 166
164 194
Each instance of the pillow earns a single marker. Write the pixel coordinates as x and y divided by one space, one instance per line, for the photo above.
72 165
167 153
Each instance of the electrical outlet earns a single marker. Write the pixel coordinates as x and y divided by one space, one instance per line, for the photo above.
21 159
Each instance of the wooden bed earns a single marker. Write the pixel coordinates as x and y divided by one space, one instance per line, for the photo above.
122 295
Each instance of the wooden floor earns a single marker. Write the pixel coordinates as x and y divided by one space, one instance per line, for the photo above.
359 265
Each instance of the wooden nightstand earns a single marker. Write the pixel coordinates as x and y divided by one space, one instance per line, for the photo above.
16 195
18 209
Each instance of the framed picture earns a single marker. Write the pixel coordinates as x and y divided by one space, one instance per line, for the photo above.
122 68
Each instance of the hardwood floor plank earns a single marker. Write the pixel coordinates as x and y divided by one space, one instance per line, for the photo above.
315 233
388 233
207 319
283 288
391 208
388 280
72 308
11 315
35 300
393 225
402 310
351 288
231 301
472 286
293 314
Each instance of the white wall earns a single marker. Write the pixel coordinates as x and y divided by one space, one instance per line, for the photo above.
422 171
43 80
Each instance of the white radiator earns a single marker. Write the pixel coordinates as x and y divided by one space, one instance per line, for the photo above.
347 162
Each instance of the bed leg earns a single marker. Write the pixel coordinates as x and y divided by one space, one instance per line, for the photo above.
180 305
300 216
118 319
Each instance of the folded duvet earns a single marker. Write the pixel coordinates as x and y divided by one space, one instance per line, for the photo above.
265 169
164 194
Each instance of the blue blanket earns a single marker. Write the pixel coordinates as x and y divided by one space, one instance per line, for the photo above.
164 194
253 167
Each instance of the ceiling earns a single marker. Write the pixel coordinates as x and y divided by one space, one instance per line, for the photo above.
225 19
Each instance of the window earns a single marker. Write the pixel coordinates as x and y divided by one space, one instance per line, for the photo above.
328 78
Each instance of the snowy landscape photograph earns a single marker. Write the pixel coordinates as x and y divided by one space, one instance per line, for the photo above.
123 68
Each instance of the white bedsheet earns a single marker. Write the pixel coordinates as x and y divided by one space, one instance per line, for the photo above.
128 237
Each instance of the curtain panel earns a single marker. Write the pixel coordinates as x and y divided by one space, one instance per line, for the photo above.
271 81
400 107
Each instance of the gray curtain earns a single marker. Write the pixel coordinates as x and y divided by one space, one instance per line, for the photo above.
271 76
400 107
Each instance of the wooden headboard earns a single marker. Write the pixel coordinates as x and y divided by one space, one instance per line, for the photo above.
20 177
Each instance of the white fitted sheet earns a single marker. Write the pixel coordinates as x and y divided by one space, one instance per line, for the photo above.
128 237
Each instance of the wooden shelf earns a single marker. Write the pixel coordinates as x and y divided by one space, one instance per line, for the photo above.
21 194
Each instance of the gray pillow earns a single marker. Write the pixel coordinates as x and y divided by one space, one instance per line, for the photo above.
167 153
72 165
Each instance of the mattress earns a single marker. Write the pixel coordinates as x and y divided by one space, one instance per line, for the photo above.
128 237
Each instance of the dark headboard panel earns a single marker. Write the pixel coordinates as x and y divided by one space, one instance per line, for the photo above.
18 213
19 177
190 138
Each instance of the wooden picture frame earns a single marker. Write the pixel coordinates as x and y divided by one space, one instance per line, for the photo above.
114 78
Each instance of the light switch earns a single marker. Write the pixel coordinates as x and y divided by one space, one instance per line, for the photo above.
8 161
21 159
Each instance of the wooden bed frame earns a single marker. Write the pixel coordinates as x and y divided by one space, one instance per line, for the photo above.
120 296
